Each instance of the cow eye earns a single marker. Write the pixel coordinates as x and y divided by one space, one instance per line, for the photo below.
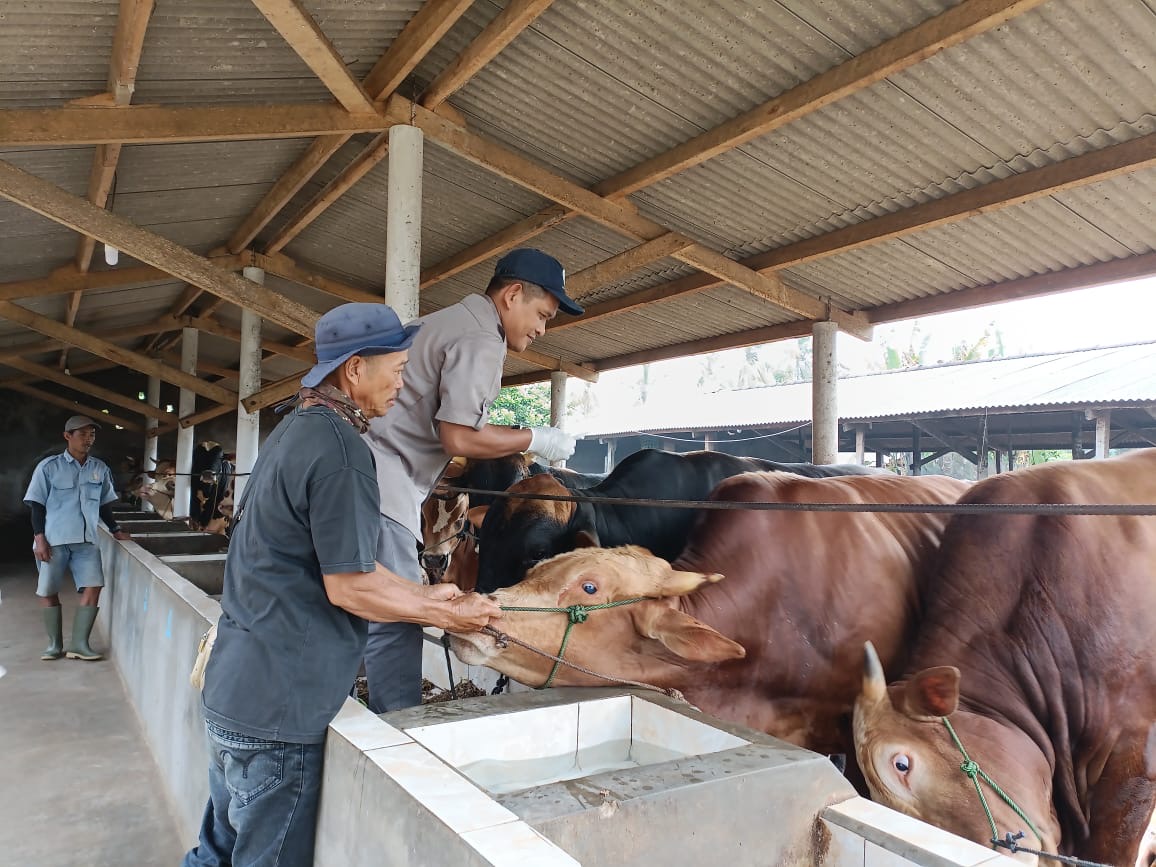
901 763
589 588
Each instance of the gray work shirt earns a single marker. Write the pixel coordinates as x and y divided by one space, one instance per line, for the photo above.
454 374
285 656
72 494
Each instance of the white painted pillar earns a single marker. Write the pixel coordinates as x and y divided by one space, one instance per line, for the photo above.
824 395
248 423
860 442
609 464
187 406
1103 433
403 221
149 467
558 403
151 425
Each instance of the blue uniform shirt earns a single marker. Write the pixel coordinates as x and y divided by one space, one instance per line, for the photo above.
72 496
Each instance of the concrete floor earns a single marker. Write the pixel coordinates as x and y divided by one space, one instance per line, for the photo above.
78 785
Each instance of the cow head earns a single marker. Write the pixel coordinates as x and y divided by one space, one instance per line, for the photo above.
911 762
651 640
520 533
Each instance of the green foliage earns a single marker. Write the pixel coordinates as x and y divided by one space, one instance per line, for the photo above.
989 345
1043 456
527 405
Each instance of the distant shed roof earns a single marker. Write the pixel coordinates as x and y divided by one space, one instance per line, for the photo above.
1105 376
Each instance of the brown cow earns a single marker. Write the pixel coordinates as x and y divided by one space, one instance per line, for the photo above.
765 648
1037 643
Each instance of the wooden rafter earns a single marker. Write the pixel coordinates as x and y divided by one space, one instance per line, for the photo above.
551 362
423 31
282 266
68 279
616 215
957 24
23 350
127 44
154 124
1077 171
103 348
209 325
370 156
51 201
89 389
57 400
298 28
500 32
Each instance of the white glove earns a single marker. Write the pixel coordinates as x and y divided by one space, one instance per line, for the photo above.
551 443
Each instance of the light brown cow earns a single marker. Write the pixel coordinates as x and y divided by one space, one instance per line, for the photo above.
765 648
1037 644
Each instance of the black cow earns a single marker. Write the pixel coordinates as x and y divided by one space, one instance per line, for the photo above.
211 476
517 533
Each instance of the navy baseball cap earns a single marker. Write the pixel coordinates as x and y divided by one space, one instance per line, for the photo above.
537 267
356 329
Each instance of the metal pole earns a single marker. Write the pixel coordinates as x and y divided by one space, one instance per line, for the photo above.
248 423
403 221
185 435
824 395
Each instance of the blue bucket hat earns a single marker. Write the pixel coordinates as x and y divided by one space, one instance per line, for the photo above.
543 270
356 329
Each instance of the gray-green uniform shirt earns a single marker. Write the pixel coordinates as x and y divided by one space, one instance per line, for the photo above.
454 374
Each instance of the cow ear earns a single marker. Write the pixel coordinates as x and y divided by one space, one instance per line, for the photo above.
933 692
477 514
587 539
683 635
678 583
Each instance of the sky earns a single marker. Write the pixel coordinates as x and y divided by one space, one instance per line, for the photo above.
1080 319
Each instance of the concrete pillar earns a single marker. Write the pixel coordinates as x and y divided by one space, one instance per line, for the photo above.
186 406
824 395
609 465
860 442
248 423
1103 433
916 451
558 403
403 221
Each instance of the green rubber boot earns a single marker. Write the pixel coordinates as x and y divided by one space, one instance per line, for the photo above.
52 622
81 628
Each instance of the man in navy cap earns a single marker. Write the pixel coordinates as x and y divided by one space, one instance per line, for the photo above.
454 374
301 581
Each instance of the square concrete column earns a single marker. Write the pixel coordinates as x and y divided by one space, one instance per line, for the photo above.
185 435
557 404
824 394
403 221
248 423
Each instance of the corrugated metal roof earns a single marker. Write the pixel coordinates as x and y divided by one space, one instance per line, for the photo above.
1111 376
594 87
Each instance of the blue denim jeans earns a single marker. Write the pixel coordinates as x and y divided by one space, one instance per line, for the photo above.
393 650
262 809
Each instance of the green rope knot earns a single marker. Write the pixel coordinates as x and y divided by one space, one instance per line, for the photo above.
578 613
970 768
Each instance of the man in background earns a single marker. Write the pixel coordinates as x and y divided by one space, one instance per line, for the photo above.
68 494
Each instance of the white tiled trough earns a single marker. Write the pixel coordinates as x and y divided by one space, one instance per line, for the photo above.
533 779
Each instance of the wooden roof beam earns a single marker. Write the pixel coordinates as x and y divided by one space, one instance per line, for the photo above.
89 389
500 32
71 406
69 279
511 21
298 28
422 33
132 360
957 24
81 215
157 124
370 156
550 362
210 325
616 215
282 266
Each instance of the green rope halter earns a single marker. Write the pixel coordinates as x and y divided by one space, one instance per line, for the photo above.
974 772
576 614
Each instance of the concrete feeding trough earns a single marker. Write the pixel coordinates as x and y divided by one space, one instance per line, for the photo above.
204 571
187 542
614 777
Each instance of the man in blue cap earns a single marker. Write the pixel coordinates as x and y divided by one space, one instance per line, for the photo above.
454 374
301 581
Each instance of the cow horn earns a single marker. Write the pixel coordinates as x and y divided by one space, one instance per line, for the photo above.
874 681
